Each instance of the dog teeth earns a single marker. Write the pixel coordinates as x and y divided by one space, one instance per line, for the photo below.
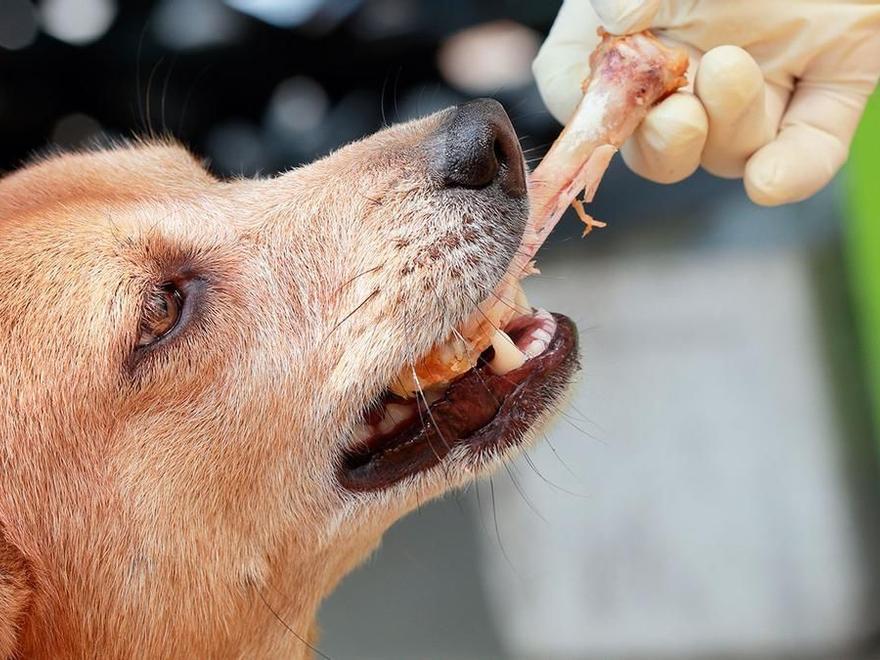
543 335
507 356
538 338
432 395
362 431
544 315
398 413
386 425
535 348
395 414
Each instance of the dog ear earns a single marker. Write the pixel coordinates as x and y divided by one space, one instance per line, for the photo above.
15 594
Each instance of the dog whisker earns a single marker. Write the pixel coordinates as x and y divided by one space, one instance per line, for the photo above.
508 468
549 482
355 277
497 528
359 307
302 639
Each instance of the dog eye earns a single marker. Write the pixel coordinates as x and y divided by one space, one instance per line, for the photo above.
161 314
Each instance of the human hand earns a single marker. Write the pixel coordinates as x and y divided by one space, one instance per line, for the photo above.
776 87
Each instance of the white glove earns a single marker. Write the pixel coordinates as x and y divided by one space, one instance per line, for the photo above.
776 87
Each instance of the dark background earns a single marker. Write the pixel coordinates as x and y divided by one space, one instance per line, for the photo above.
206 74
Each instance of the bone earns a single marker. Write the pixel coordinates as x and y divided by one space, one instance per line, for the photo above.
629 75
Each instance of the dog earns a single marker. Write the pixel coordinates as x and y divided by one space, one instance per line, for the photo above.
188 363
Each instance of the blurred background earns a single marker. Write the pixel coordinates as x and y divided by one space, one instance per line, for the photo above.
712 491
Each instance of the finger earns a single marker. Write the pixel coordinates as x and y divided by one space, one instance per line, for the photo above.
669 142
776 99
818 125
731 86
563 62
626 16
812 144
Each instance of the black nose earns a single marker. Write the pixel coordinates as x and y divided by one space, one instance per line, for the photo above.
482 147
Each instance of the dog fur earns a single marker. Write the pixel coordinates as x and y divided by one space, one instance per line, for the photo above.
182 501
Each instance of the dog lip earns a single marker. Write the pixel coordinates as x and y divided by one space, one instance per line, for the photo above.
485 412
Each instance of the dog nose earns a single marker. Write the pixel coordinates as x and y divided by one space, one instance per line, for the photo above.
482 147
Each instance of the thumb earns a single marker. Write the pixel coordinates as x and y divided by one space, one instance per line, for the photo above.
626 16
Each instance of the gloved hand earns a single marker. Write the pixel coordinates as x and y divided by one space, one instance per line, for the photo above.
776 87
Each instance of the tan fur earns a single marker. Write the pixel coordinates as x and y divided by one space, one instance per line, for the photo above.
173 506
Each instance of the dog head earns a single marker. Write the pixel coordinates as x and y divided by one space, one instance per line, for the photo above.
187 364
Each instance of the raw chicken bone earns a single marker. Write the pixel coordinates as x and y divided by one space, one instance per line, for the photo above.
628 75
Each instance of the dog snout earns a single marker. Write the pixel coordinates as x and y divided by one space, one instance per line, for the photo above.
481 147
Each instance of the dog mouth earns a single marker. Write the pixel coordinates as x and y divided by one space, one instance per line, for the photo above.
481 413
481 388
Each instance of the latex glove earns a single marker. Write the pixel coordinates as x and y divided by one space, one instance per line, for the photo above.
776 87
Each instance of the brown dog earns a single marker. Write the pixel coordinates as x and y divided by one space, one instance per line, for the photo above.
187 365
